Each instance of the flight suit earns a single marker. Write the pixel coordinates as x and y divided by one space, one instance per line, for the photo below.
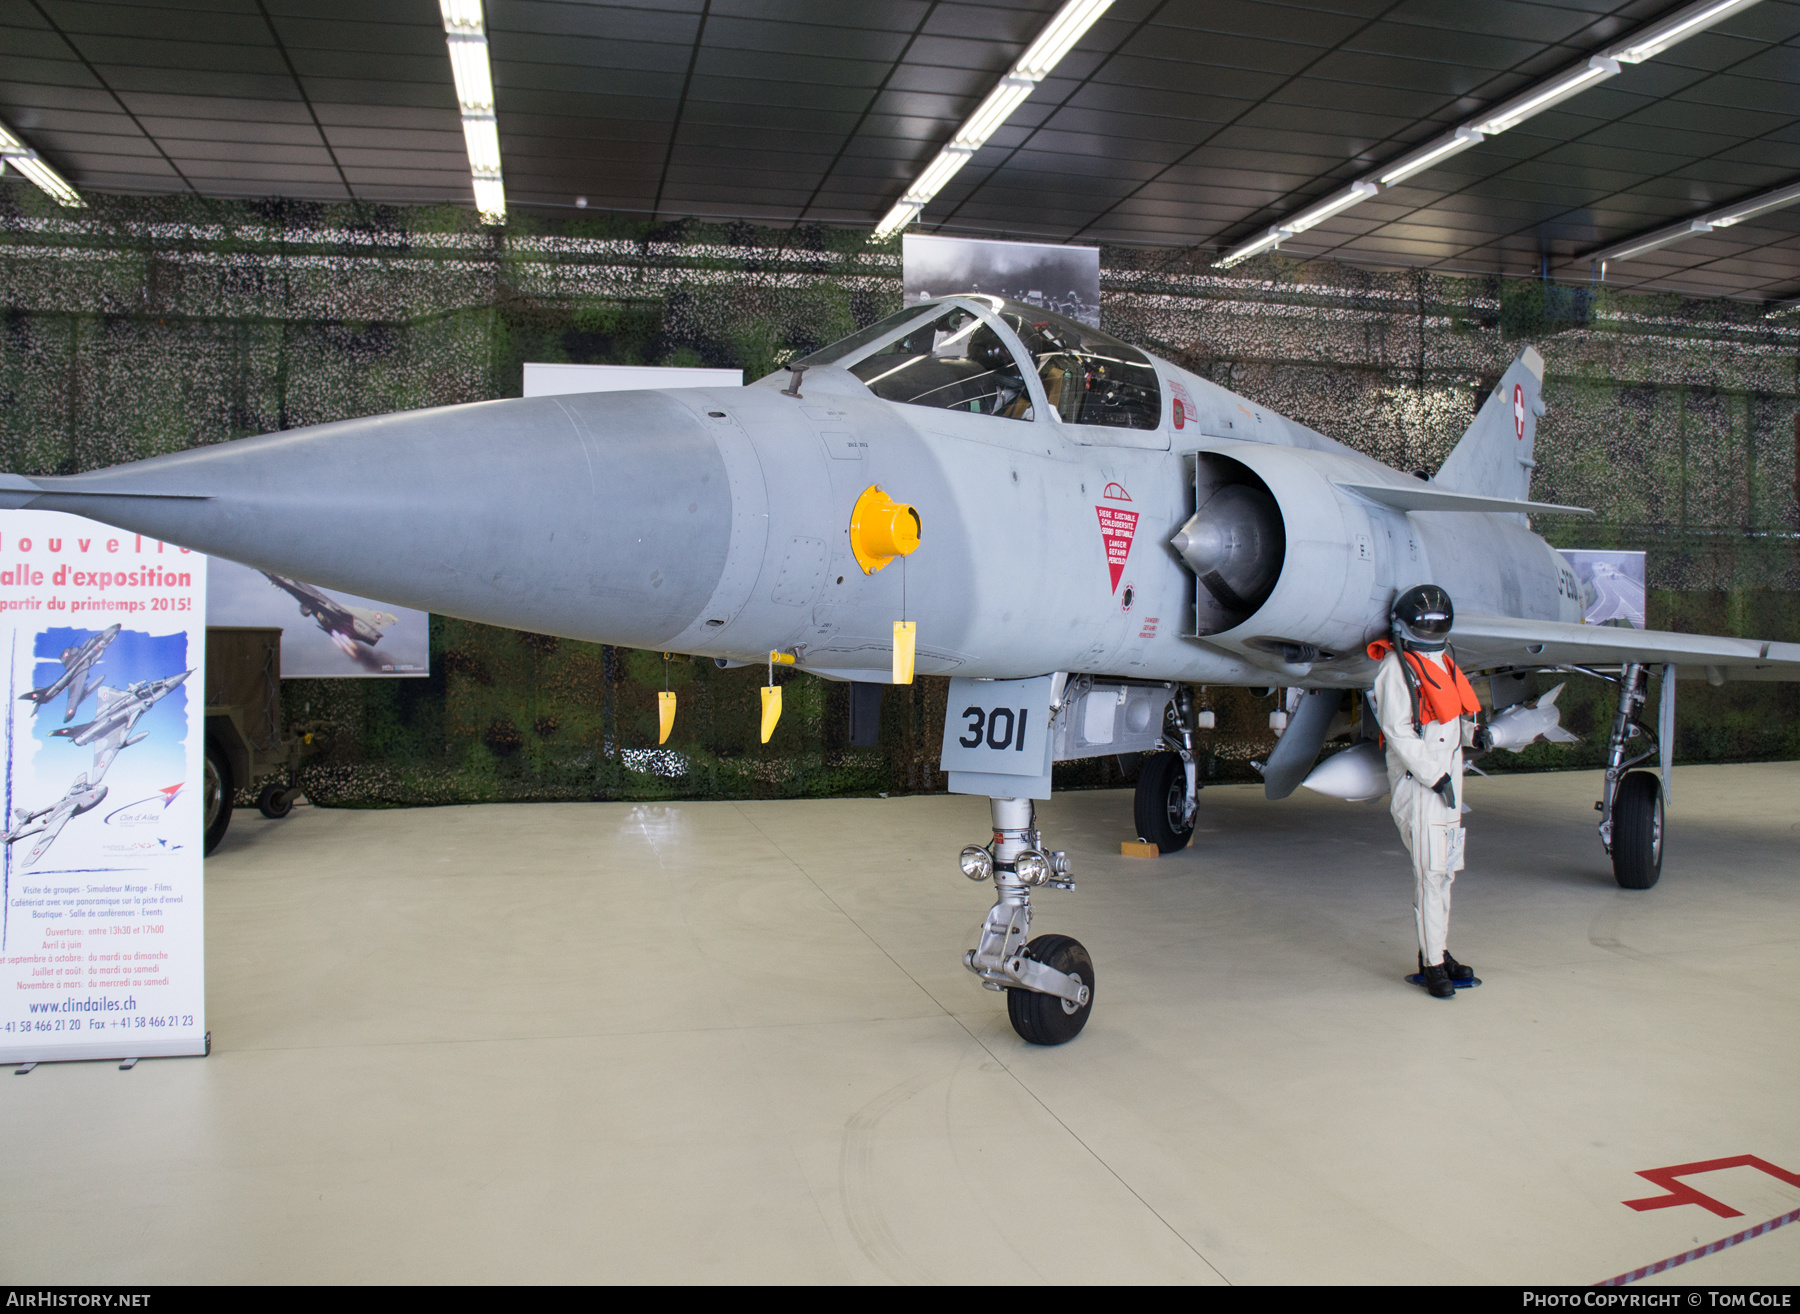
1416 759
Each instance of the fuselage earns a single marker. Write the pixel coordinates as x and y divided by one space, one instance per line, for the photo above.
716 522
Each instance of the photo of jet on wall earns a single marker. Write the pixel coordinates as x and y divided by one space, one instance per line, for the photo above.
1612 586
323 632
1065 279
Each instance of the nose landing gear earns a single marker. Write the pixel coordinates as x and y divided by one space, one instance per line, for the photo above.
1049 981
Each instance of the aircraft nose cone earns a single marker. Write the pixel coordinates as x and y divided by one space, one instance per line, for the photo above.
604 516
1235 544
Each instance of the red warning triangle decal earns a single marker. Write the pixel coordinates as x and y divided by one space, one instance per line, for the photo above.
1116 530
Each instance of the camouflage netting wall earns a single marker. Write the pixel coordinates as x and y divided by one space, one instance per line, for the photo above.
146 325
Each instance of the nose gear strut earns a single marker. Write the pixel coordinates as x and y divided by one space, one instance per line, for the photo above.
1049 981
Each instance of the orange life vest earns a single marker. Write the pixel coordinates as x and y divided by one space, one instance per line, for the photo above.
1435 698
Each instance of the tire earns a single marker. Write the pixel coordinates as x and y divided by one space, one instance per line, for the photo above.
1046 1019
215 797
1161 792
1637 831
275 802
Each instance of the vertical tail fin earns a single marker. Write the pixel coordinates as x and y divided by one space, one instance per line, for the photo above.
1494 456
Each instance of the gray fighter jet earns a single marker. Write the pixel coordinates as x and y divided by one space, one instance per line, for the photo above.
47 823
119 710
1099 531
346 626
77 662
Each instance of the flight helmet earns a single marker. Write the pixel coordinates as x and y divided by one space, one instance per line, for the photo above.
1423 617
987 350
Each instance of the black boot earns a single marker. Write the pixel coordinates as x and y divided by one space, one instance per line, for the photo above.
1457 971
1437 981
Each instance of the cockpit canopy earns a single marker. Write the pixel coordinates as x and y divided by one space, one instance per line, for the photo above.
975 353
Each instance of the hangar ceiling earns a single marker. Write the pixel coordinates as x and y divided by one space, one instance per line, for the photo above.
1174 123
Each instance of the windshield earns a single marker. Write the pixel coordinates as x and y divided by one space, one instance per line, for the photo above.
857 341
1089 377
953 361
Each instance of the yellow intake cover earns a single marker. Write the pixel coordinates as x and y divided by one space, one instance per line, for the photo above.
882 529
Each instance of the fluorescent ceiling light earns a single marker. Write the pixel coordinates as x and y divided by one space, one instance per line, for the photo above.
1643 44
482 138
1310 217
461 13
1442 149
465 33
899 217
1756 205
1650 242
1658 37
490 199
1056 40
24 160
1544 95
994 111
937 173
469 66
1724 217
1071 22
1244 250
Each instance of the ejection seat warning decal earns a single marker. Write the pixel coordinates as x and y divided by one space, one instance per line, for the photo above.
1117 526
996 738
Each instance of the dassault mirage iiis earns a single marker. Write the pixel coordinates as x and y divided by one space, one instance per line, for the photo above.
346 626
47 823
1096 531
77 663
119 710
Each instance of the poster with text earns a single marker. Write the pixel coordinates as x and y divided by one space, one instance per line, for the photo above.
1612 586
1065 279
324 633
102 946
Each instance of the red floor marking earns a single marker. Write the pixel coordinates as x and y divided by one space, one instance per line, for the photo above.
1680 1193
1675 1261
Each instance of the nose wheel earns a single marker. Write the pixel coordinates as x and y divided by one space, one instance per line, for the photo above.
1049 981
1049 1019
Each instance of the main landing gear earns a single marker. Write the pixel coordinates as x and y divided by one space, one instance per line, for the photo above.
1631 802
1168 787
1049 981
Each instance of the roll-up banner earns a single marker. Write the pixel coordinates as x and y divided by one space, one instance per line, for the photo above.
102 946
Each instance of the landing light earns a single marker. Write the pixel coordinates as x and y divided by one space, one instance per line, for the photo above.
977 863
1031 867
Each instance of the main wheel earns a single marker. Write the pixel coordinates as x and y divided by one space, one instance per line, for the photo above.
1046 1019
1637 831
1161 799
215 797
275 802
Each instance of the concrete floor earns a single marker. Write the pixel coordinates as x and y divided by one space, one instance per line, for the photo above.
734 1041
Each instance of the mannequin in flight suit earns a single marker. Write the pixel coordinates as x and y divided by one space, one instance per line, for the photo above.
1426 711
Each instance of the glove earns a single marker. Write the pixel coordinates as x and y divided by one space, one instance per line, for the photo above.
1446 791
1483 739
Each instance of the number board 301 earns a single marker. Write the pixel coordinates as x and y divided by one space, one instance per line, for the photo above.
998 727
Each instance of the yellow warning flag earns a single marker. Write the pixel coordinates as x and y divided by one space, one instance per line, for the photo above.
665 715
771 696
905 634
